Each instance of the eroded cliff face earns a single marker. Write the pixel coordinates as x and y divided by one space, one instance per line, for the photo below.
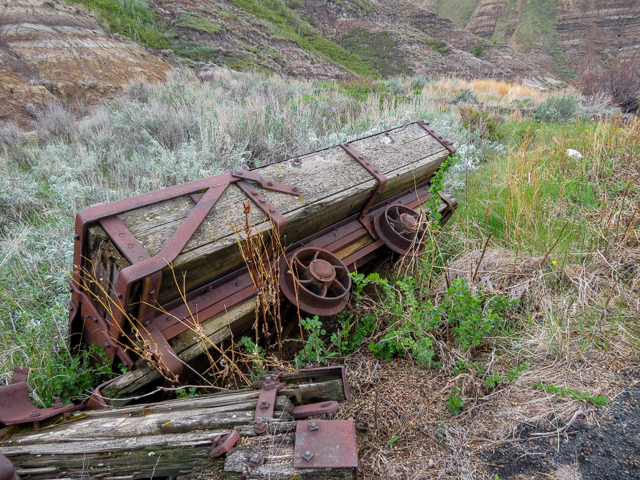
51 51
579 34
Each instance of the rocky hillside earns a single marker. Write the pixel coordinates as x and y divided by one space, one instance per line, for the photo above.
50 50
83 51
578 34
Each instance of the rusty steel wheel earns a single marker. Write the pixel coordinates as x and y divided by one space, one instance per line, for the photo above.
401 230
316 281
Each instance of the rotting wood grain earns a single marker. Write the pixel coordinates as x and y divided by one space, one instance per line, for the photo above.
167 439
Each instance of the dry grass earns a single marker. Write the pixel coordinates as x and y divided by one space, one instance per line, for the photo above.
488 91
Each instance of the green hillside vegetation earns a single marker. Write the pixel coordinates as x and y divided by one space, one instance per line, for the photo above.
378 50
137 20
459 11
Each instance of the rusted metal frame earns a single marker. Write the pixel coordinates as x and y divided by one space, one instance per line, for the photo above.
120 235
335 368
236 287
448 144
279 221
223 443
267 398
266 184
100 334
315 409
448 211
377 174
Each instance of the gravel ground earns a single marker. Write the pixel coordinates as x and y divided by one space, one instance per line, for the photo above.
607 451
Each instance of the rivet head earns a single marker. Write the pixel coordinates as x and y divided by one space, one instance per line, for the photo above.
130 245
295 189
270 183
122 235
264 405
259 428
307 456
262 200
140 258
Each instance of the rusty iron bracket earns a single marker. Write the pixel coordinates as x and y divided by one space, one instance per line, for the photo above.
223 443
7 471
450 205
279 221
448 144
267 397
313 409
19 375
378 175
266 184
15 407
325 444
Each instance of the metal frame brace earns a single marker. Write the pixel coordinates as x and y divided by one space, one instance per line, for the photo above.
378 175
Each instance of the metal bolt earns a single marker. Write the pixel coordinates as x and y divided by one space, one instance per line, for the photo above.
272 210
375 170
270 183
295 189
71 308
256 460
313 426
264 405
152 292
77 237
262 200
259 428
308 456
95 319
238 283
120 295
254 192
106 345
366 163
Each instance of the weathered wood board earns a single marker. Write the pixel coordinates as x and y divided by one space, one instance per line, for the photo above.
333 186
170 439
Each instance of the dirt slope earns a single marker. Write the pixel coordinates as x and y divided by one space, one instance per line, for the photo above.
51 51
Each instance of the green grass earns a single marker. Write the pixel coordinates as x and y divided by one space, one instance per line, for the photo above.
459 11
194 21
379 50
287 24
135 19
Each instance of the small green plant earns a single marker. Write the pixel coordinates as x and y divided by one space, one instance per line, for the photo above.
478 51
393 440
314 350
494 380
256 357
186 392
598 401
194 21
69 375
454 402
514 374
557 109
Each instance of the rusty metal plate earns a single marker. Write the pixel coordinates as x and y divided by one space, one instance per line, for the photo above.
326 444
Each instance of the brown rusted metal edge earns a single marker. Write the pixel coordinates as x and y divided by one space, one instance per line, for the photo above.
223 443
343 375
16 408
7 471
448 144
315 409
377 174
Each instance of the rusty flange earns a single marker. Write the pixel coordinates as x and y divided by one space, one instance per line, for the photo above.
316 281
7 472
399 227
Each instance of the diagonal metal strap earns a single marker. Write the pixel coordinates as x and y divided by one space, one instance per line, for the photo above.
377 174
